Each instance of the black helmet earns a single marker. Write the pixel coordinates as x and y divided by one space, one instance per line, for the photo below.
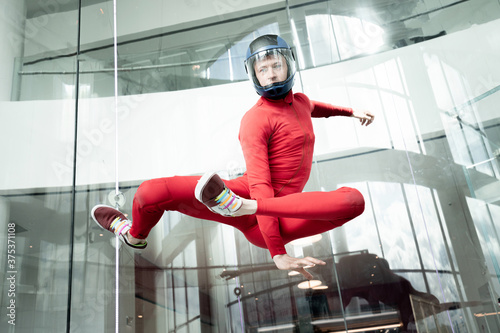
274 47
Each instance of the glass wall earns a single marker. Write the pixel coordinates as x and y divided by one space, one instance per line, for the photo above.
423 257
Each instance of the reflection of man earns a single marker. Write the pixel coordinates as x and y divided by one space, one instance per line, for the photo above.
368 276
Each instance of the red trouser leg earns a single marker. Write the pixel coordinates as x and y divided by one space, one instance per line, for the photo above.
310 213
344 203
154 197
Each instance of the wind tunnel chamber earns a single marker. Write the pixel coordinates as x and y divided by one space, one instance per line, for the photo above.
423 257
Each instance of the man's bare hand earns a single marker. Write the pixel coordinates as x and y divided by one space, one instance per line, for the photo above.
365 117
285 262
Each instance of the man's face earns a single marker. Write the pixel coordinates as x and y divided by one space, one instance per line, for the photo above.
270 69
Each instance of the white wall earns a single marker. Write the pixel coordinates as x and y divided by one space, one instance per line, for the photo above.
12 20
191 131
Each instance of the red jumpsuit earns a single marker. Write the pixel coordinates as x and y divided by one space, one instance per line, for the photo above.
277 140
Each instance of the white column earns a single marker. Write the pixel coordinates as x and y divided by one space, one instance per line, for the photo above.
12 21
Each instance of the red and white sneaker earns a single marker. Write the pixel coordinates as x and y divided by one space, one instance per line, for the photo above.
114 221
213 193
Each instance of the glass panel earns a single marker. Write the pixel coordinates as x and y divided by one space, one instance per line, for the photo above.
36 194
461 162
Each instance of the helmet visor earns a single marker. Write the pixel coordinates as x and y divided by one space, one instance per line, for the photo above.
270 67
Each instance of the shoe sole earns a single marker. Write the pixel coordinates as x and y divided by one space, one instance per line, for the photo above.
202 182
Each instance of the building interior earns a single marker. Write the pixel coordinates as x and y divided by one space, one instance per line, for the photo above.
97 97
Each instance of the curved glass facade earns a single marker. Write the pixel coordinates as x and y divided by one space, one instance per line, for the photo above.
423 257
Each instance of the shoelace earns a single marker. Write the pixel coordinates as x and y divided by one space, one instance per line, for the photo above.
226 199
118 226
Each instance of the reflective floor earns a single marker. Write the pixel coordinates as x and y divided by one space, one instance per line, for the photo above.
423 257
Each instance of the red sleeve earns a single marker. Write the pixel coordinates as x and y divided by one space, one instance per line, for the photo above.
255 132
324 110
